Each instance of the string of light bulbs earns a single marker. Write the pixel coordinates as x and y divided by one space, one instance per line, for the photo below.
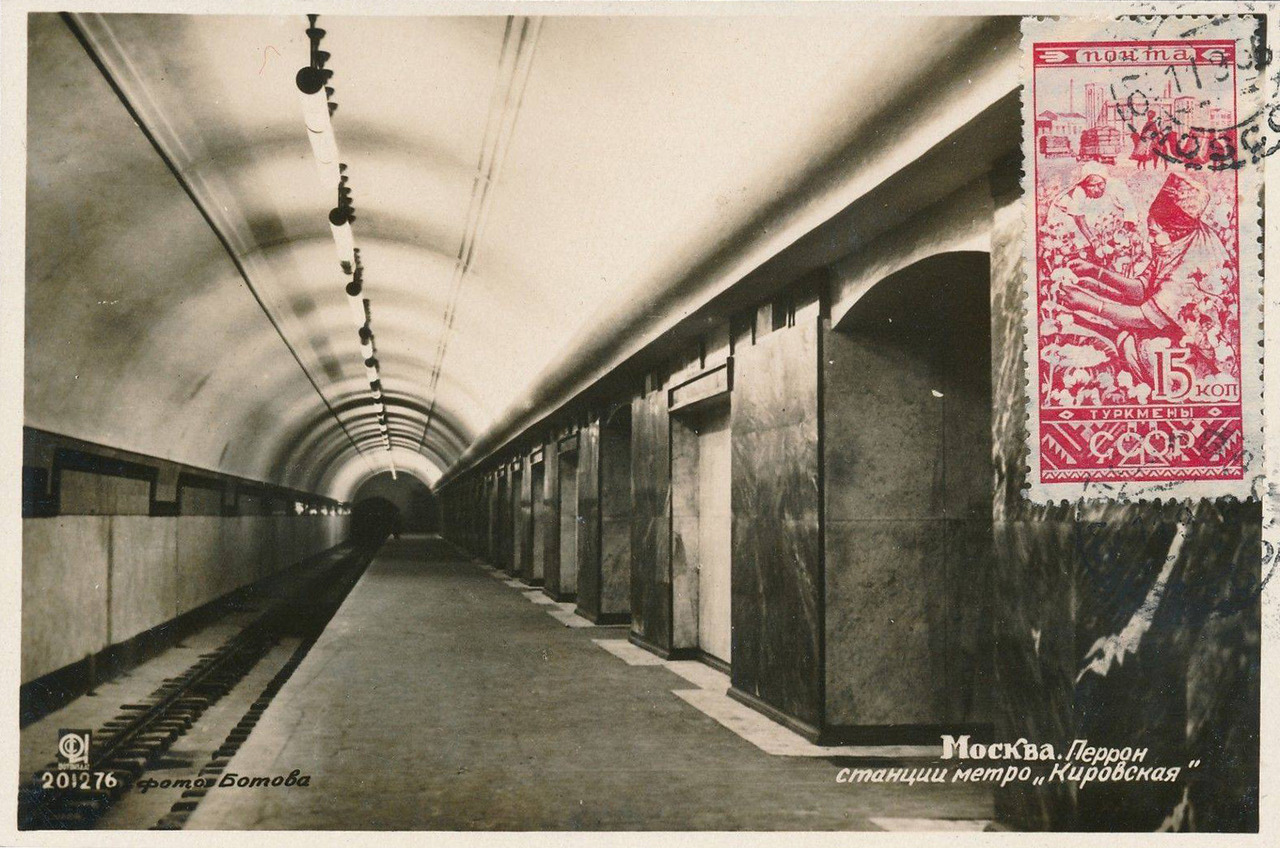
317 112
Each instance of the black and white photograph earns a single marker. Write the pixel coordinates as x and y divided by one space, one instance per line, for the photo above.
595 421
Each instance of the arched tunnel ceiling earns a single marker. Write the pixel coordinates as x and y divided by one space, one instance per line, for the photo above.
632 145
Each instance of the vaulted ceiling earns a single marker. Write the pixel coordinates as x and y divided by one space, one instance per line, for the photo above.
515 179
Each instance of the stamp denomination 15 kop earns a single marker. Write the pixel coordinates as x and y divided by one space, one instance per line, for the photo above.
1143 311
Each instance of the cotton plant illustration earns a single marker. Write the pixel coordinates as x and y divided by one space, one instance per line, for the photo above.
1077 361
1081 361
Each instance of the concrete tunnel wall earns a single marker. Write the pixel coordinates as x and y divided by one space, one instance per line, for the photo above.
116 544
159 399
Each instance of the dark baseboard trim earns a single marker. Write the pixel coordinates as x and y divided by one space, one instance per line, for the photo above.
808 731
715 662
50 692
559 597
689 654
605 619
534 582
660 652
900 734
641 642
864 734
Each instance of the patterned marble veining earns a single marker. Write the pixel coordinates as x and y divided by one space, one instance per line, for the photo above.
542 516
522 542
777 561
651 520
490 520
906 418
564 583
1223 629
588 588
615 566
885 640
1127 624
503 522
684 532
615 515
551 538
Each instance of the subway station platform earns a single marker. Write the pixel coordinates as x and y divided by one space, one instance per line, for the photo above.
442 698
700 340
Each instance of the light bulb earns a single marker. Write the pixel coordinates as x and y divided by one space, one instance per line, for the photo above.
345 241
356 305
315 111
324 147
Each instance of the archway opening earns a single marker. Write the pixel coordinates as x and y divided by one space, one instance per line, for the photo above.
908 485
384 505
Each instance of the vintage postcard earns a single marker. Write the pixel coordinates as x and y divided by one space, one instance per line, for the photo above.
825 423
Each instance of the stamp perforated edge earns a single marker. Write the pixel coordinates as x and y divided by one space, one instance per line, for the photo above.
1249 219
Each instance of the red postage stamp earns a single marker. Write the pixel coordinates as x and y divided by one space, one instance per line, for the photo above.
1142 259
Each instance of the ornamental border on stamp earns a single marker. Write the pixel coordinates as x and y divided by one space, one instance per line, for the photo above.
1248 236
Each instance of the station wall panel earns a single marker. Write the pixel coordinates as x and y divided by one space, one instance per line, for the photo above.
89 582
64 591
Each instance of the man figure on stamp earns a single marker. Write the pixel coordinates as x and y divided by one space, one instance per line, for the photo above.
1177 299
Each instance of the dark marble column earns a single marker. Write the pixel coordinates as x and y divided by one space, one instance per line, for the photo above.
651 522
504 520
563 584
510 509
551 538
468 508
1223 630
541 517
522 532
483 521
495 520
1126 624
459 506
776 581
615 518
588 588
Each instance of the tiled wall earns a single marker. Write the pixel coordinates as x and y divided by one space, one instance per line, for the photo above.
103 562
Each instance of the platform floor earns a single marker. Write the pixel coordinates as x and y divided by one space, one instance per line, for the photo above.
440 698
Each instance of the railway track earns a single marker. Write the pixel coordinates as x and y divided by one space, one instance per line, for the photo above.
136 739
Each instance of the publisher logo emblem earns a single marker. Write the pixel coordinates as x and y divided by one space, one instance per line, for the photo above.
73 749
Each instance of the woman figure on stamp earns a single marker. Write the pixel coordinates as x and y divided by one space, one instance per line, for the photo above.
1102 211
1145 143
1177 300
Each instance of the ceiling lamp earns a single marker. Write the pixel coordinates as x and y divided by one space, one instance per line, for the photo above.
317 113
